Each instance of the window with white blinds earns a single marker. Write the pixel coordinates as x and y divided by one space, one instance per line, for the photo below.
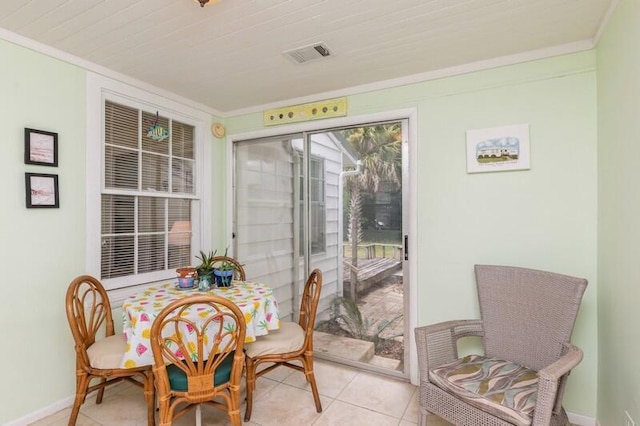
148 193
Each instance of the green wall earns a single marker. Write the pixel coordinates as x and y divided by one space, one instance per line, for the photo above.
619 212
42 249
544 218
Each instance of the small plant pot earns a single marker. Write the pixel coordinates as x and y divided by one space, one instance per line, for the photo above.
186 276
186 272
205 281
186 282
223 278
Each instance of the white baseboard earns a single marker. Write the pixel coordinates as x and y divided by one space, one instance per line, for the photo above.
42 413
575 419
579 420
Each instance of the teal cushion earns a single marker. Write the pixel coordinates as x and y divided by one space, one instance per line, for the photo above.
178 380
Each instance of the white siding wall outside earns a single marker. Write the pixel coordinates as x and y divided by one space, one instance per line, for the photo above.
266 219
326 147
264 204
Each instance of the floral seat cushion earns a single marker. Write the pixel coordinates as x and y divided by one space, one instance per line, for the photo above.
502 388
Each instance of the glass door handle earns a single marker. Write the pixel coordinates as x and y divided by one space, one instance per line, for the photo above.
406 247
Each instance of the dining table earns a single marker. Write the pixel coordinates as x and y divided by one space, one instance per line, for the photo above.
255 300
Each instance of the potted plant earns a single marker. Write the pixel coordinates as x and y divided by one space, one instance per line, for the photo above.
224 270
224 273
206 267
186 276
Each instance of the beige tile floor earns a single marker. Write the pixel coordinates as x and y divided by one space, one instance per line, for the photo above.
349 397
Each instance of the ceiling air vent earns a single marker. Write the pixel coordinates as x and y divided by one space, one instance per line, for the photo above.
308 53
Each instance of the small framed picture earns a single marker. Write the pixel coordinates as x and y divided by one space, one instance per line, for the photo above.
41 190
498 149
40 147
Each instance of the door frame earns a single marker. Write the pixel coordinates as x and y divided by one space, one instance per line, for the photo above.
411 192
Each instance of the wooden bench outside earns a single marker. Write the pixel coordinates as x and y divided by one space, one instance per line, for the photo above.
369 272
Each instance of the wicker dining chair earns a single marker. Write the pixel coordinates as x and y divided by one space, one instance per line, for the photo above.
291 342
527 317
198 361
99 350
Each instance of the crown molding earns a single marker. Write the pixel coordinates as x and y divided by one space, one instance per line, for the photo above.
605 21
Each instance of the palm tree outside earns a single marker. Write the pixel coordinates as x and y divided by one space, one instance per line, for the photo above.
379 151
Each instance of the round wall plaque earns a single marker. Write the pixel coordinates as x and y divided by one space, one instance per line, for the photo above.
218 130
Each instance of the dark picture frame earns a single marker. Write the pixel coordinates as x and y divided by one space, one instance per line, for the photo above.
40 147
41 191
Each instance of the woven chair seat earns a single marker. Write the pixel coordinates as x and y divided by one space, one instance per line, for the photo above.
505 389
288 338
107 353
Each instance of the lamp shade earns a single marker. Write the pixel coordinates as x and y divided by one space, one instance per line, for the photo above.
180 234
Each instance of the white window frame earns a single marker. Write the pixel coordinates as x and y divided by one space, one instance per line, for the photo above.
315 204
99 89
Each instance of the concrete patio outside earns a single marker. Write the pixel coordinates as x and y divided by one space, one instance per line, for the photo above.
380 303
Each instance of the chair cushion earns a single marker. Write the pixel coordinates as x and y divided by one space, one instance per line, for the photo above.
178 379
107 353
501 388
288 338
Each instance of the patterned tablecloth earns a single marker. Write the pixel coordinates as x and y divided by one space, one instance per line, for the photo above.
255 300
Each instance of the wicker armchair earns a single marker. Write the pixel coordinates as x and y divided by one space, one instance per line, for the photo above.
197 344
98 349
527 318
292 342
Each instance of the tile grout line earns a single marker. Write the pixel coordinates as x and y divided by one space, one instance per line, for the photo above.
347 385
404 413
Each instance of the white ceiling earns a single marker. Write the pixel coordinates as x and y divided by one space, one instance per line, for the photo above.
228 55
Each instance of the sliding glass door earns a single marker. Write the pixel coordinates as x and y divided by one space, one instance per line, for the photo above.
331 200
